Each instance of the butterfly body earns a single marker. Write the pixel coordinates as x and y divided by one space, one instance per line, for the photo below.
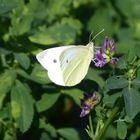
67 65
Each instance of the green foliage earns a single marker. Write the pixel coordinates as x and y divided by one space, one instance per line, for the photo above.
39 75
47 101
115 83
6 6
22 106
6 82
94 22
121 129
69 133
76 94
63 31
136 81
132 104
109 100
23 60
22 17
31 106
137 50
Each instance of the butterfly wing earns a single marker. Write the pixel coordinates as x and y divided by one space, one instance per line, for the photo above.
67 65
74 63
49 59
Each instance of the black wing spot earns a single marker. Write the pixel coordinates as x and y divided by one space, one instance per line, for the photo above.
67 61
54 60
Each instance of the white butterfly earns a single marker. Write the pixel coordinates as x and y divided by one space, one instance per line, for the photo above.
67 65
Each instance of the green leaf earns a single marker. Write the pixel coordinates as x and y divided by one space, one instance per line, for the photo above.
47 101
121 130
109 100
6 82
127 48
96 24
122 63
45 136
36 75
4 51
110 133
125 34
39 75
131 54
115 83
125 7
124 46
137 50
22 106
76 94
6 6
23 59
22 73
95 75
4 113
60 32
132 102
69 133
61 8
48 127
136 24
22 17
136 82
80 3
74 23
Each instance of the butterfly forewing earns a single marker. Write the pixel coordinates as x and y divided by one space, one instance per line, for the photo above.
74 63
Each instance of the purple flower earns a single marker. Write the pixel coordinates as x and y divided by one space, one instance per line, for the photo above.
100 58
106 43
109 46
112 49
105 55
88 103
114 61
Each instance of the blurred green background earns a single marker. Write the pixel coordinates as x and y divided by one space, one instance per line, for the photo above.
31 106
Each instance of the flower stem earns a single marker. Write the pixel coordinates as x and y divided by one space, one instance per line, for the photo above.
91 124
107 123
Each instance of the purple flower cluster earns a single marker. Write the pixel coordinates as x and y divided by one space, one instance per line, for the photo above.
105 54
88 103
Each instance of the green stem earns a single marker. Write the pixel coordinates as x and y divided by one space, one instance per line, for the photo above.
97 128
129 83
90 124
107 123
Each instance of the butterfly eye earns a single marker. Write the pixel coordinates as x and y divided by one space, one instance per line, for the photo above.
54 60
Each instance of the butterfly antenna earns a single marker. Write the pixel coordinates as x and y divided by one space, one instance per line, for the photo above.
97 34
90 36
